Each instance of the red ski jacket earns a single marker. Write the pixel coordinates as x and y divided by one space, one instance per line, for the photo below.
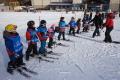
109 23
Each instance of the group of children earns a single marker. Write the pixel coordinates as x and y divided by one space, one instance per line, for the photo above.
73 25
34 35
14 45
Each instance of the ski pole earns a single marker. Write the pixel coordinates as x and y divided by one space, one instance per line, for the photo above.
39 20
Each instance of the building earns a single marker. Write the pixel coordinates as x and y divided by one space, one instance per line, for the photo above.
115 5
98 5
71 4
56 4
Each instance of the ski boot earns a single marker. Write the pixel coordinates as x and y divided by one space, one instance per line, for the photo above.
32 55
10 68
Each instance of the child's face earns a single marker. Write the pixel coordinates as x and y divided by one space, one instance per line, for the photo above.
62 19
72 19
44 24
15 28
34 25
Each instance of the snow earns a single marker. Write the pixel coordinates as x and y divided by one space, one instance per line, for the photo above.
84 59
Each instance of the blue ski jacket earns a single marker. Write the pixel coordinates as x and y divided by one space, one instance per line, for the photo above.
31 35
13 43
72 24
62 24
42 33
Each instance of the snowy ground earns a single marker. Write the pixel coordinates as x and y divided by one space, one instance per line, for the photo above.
84 59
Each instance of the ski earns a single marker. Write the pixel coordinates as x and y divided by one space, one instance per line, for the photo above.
30 71
43 59
116 42
51 57
60 44
76 36
53 53
23 73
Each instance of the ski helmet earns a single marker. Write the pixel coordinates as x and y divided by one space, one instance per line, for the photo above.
30 23
10 28
42 22
61 18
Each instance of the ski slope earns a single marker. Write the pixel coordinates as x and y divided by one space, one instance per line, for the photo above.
83 59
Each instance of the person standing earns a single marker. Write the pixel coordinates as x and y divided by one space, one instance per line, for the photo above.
62 25
86 20
43 36
14 47
72 25
78 25
109 27
98 22
32 39
51 33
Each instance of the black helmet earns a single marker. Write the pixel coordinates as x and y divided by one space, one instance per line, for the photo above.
42 22
30 23
61 18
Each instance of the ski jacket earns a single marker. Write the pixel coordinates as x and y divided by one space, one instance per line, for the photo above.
31 35
97 20
109 23
86 19
78 24
13 43
62 25
51 32
72 24
42 33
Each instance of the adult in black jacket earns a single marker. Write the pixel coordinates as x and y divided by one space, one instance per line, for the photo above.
97 20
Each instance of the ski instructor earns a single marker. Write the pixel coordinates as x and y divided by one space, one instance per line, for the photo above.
109 27
97 20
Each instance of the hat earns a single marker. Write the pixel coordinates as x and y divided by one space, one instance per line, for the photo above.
10 28
42 22
30 23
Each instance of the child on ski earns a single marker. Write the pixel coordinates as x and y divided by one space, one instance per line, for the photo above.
51 32
42 34
72 25
32 39
86 27
62 25
14 47
78 25
86 20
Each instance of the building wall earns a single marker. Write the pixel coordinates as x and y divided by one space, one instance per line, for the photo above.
77 1
45 3
55 0
114 5
40 3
